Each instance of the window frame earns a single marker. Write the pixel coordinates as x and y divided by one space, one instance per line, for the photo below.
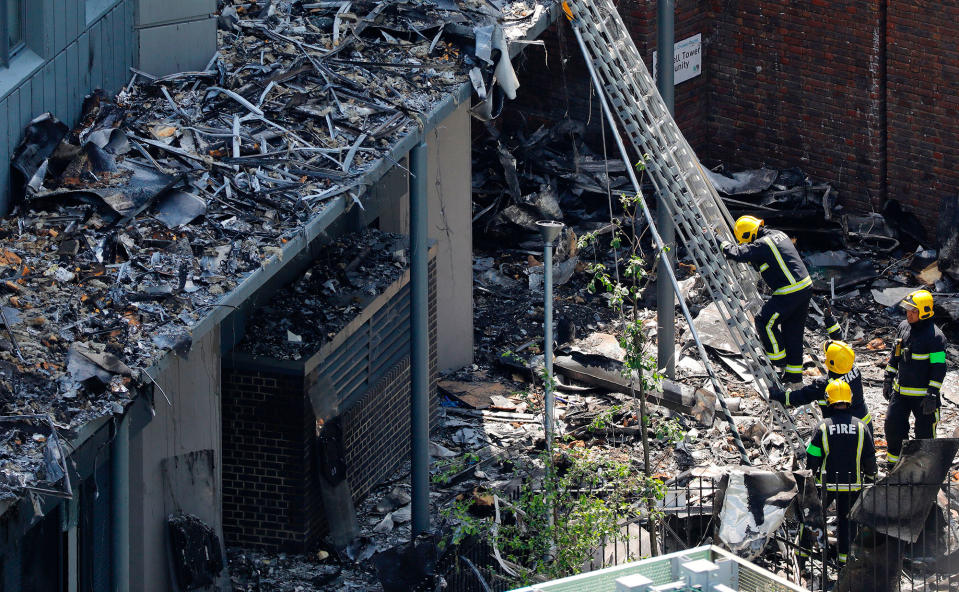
7 51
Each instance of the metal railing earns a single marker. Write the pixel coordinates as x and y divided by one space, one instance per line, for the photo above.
797 551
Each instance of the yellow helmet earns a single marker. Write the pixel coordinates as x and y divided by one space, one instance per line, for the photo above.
920 300
839 356
746 228
838 391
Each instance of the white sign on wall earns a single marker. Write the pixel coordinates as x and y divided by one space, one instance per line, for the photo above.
687 59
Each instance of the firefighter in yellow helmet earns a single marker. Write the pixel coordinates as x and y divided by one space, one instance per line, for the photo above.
914 374
780 322
842 457
840 363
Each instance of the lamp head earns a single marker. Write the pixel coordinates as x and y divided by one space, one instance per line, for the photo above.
549 230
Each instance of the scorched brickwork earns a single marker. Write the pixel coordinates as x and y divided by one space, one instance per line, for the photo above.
270 489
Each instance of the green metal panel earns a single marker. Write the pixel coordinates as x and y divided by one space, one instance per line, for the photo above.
46 32
129 40
49 87
60 71
26 105
59 25
73 76
36 96
4 155
12 113
96 51
107 50
86 65
74 17
116 25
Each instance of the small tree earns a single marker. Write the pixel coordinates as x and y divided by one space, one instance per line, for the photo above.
558 523
625 293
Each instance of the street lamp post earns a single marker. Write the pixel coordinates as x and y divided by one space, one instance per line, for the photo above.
549 230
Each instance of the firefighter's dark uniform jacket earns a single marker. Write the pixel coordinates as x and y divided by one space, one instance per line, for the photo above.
816 392
776 259
841 452
781 320
920 367
922 364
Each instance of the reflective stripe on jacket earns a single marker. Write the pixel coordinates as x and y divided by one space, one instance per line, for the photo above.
922 364
841 452
776 259
816 392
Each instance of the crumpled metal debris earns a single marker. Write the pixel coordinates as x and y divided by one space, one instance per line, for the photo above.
899 503
752 506
130 228
743 182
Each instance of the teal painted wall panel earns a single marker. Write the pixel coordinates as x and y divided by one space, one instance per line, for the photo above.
77 58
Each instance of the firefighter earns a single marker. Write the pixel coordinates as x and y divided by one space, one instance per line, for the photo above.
914 374
781 321
840 359
842 457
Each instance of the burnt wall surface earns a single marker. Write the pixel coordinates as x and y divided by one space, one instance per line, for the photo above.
270 489
922 93
800 84
859 93
555 84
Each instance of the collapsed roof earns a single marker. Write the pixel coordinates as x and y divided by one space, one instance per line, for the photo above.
162 210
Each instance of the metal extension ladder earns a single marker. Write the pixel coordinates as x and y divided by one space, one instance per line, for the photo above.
701 219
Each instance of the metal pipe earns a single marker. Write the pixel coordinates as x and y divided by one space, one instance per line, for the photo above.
120 506
717 385
665 39
665 303
548 339
419 347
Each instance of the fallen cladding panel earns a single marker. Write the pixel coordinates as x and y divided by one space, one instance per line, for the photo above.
152 12
178 47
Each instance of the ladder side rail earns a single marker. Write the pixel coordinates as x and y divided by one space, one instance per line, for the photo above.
745 276
694 180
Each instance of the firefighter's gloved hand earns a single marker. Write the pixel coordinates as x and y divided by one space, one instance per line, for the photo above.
930 402
829 321
725 247
777 394
887 387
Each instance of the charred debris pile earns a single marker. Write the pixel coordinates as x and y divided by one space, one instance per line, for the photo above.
135 225
489 448
349 274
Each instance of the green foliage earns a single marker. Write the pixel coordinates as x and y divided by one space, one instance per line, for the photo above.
464 523
559 525
605 418
453 466
510 355
670 430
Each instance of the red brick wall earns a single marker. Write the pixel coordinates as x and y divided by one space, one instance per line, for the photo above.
863 94
923 105
549 91
799 83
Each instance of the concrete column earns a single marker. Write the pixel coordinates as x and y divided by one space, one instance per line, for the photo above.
120 507
419 335
175 35
451 225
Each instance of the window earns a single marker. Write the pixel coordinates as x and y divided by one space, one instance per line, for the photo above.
12 28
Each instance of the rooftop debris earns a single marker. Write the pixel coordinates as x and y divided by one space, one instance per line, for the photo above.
349 274
132 227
